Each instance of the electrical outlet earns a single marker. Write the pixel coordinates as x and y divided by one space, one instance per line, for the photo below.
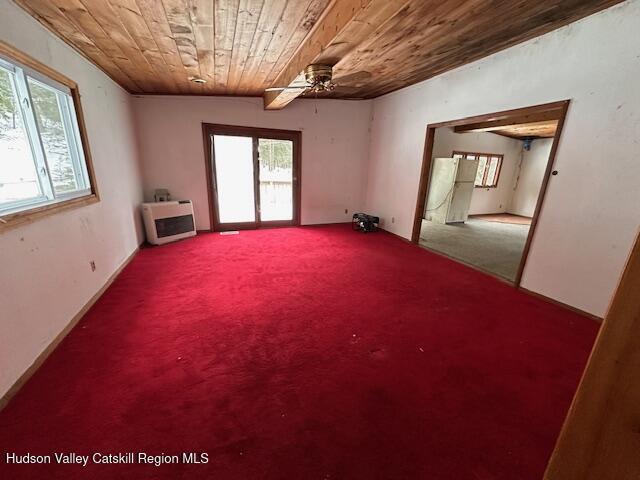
393 219
93 265
346 211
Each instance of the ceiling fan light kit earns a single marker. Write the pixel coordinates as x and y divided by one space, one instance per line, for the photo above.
318 77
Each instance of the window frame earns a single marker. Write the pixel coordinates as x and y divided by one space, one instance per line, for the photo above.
68 97
500 158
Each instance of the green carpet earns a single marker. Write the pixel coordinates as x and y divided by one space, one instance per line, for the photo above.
491 246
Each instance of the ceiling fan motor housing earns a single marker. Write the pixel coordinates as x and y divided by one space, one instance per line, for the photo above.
319 77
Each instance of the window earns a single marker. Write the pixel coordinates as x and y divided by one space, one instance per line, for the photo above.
489 165
42 160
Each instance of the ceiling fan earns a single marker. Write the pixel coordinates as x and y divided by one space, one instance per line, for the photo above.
318 78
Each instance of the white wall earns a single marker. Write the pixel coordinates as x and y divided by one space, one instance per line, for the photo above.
335 143
592 207
45 277
484 200
529 177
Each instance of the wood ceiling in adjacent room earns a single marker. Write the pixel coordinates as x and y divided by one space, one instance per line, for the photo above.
241 47
529 130
541 124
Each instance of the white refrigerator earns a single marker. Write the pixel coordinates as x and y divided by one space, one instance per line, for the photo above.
450 190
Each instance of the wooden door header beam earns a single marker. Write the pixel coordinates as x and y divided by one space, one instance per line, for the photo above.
531 118
344 25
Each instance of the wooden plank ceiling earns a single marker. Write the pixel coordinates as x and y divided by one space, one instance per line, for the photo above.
157 46
545 129
242 47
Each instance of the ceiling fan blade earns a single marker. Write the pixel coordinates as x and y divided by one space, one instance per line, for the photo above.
353 77
281 89
345 89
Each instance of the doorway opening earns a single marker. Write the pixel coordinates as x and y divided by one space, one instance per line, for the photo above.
482 186
253 178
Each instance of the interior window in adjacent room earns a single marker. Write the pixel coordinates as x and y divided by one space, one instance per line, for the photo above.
489 165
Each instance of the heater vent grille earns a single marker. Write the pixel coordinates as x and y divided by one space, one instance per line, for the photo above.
167 227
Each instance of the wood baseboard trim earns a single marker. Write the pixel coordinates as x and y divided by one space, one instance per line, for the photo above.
524 290
328 224
348 222
562 305
395 235
40 359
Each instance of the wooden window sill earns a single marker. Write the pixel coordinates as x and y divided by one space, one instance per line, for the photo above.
12 220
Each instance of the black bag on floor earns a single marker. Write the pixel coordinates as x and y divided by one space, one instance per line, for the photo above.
365 223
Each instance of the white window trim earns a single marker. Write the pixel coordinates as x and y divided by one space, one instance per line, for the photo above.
69 118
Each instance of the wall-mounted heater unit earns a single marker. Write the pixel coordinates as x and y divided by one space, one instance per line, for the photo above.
168 221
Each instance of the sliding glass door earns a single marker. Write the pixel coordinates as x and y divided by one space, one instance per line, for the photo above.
252 177
275 159
234 179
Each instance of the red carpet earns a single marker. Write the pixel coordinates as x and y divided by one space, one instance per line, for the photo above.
308 353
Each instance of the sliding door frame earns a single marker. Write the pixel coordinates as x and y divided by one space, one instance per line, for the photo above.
295 136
